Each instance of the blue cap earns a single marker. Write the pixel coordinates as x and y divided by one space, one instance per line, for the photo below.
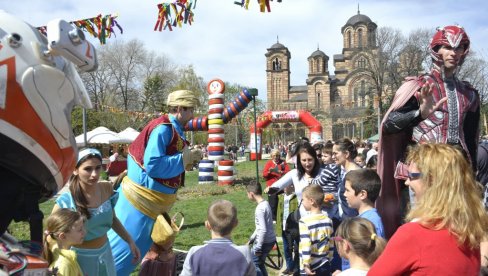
88 151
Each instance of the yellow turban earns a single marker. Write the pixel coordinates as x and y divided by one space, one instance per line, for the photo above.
185 98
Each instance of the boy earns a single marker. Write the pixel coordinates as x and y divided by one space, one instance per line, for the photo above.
362 189
316 246
263 238
219 256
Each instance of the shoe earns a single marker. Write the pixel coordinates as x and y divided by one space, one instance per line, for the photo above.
286 272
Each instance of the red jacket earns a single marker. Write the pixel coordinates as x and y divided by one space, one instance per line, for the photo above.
277 171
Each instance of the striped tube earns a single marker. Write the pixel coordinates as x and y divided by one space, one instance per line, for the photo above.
215 89
206 172
225 173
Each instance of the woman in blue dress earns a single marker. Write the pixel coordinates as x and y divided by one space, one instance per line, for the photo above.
95 201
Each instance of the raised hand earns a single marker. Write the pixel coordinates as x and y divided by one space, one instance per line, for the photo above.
427 101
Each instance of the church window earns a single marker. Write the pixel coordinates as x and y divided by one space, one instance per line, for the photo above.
318 103
317 63
276 65
360 38
361 63
349 38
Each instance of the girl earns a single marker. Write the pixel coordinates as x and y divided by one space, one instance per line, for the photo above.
356 240
66 228
95 201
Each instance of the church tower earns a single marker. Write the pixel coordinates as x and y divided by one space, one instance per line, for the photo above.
354 92
277 75
318 90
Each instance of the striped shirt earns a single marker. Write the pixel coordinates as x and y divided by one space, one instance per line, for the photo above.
329 179
316 247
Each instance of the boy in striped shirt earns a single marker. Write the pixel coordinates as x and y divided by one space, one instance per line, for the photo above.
316 247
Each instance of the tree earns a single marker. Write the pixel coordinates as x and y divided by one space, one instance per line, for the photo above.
126 61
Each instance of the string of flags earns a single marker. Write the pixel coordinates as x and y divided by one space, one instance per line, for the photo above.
100 27
175 14
263 4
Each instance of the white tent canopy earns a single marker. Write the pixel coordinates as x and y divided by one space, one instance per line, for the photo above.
101 135
129 133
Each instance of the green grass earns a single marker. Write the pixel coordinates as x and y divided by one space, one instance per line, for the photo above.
193 201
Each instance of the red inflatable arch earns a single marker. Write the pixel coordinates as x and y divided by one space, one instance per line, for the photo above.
269 117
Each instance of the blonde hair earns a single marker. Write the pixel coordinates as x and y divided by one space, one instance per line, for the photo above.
315 193
61 221
362 237
452 197
222 216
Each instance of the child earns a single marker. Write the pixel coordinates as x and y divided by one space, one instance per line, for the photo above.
66 228
263 238
357 241
219 256
315 234
287 203
362 189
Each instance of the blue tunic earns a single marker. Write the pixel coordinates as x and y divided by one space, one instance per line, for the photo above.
157 165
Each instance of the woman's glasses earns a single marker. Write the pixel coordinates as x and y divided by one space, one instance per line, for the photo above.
414 176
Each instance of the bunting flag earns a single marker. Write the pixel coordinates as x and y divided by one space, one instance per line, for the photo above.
174 14
263 4
100 27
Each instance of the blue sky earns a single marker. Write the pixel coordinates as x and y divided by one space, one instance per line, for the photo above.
229 42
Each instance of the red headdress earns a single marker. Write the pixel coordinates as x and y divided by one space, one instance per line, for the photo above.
452 36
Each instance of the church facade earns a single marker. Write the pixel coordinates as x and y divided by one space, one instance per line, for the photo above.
342 100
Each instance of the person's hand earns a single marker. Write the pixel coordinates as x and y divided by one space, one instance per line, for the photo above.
427 102
308 271
336 272
266 190
187 156
135 252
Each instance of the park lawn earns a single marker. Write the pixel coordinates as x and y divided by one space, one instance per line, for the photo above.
193 201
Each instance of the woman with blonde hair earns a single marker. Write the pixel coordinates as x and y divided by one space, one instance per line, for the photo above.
447 223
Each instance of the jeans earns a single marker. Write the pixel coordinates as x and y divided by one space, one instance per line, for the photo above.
290 250
259 260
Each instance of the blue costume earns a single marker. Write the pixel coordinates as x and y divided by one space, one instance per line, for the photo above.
98 261
161 170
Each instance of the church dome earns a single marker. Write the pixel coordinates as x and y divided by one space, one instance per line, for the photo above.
318 53
358 18
277 45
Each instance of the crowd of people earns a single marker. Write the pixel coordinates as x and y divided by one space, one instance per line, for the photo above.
410 205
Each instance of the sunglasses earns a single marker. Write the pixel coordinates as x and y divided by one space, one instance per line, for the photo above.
414 176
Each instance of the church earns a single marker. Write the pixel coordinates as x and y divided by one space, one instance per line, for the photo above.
342 100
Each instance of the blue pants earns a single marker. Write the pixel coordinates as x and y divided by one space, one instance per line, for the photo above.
290 250
259 260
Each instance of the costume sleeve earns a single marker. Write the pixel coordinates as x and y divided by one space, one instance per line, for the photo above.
404 117
156 162
471 133
399 256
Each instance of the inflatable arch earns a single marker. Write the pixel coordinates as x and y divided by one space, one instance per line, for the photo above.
269 117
